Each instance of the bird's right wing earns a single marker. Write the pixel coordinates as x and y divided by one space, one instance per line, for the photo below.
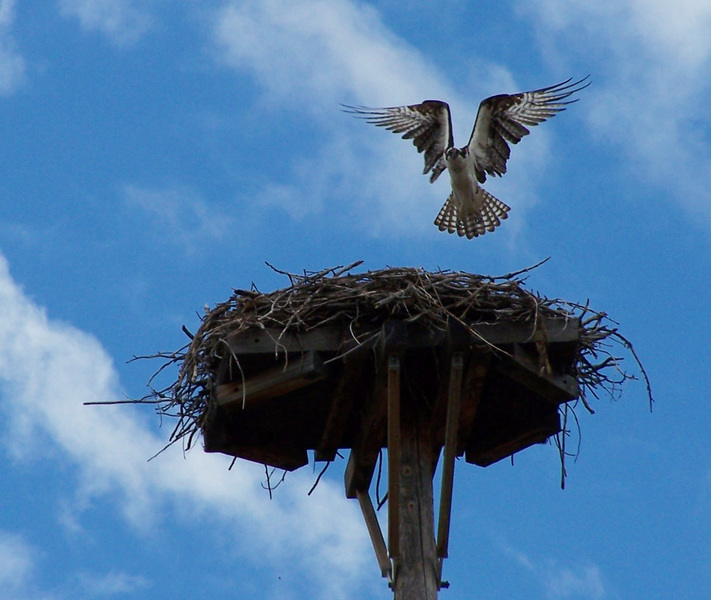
428 125
505 119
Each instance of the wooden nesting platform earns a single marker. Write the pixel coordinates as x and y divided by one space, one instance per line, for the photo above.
322 391
483 391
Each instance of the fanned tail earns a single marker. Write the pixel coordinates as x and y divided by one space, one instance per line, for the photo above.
472 222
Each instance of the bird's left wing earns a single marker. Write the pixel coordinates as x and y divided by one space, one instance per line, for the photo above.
504 118
428 125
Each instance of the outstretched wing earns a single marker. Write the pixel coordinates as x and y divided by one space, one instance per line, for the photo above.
504 118
428 125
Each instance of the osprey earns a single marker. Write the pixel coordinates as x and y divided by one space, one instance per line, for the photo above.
470 210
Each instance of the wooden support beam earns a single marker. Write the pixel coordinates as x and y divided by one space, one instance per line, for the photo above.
372 437
459 341
522 366
271 339
330 339
376 534
515 439
394 443
350 389
277 381
281 456
450 452
373 434
473 385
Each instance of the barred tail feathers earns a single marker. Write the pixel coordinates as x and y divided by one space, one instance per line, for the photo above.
472 222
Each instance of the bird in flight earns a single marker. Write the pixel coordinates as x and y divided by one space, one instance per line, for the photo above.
470 210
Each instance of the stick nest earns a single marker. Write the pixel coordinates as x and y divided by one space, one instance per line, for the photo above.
362 302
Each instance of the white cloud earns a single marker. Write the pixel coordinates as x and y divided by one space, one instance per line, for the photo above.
310 55
17 561
122 21
377 184
582 581
112 583
565 582
677 33
12 64
49 369
181 214
322 52
651 63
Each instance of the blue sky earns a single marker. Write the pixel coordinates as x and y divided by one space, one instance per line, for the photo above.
153 155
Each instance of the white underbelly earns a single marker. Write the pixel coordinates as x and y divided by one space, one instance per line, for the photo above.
466 188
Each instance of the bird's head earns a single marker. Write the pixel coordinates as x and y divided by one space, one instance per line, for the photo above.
451 153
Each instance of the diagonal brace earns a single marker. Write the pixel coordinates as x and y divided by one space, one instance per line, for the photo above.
450 451
394 446
376 534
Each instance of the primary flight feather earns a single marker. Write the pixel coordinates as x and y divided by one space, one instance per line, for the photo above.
470 210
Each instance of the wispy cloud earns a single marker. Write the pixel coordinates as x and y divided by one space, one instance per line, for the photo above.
112 583
580 581
49 369
12 64
321 52
17 562
181 215
122 21
650 100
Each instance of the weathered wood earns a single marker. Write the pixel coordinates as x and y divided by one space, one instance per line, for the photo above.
373 434
376 534
277 453
509 418
394 444
537 433
450 452
349 390
458 342
472 388
372 437
415 570
484 390
337 338
271 339
280 456
277 381
523 366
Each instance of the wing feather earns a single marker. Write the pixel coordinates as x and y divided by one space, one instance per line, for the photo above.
505 119
428 125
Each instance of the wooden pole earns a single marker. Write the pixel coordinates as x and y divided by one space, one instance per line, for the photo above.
415 570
